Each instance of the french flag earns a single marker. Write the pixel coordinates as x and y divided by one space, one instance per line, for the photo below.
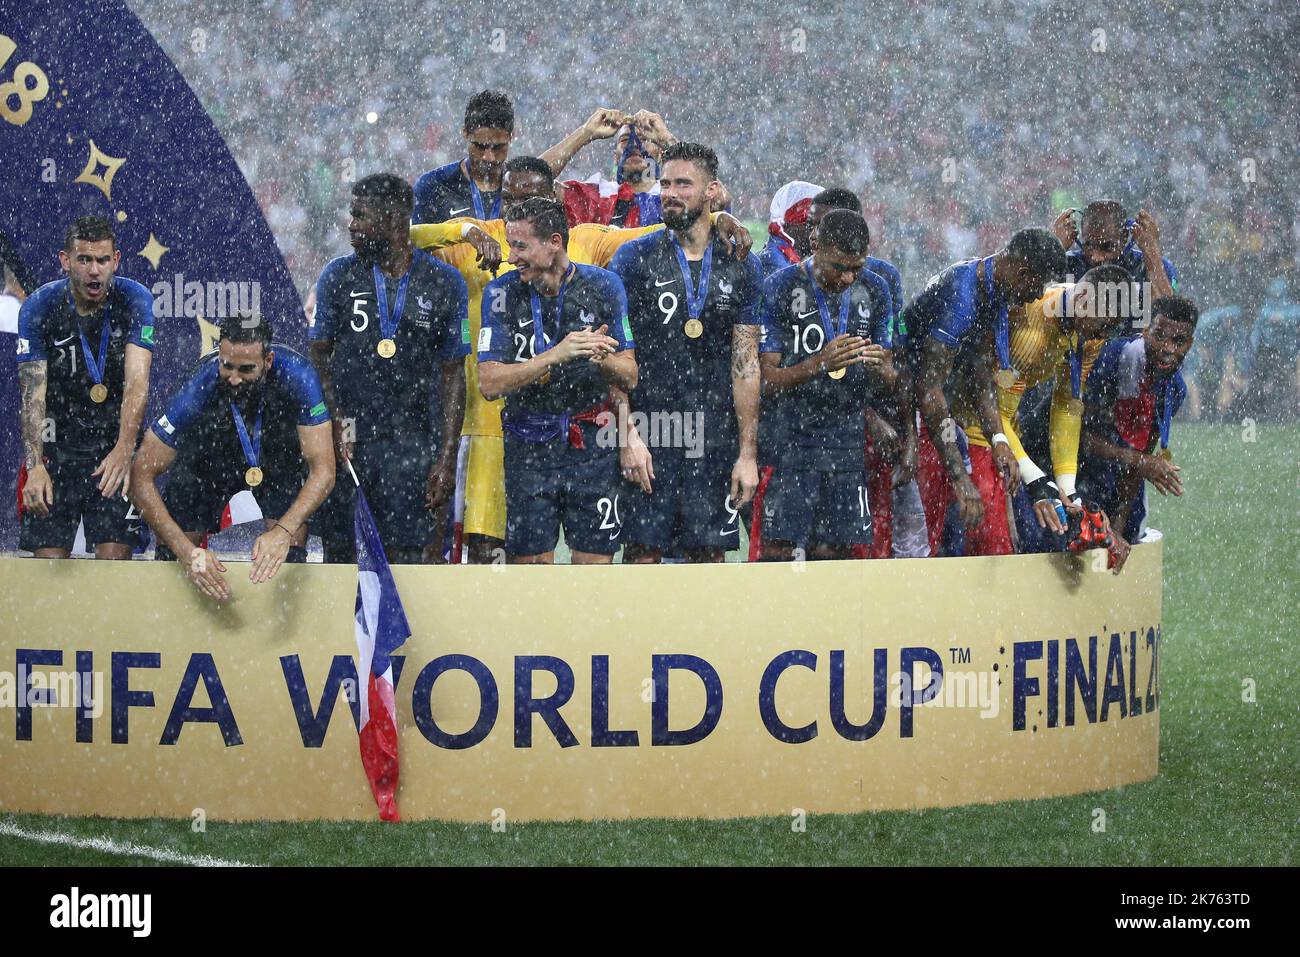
381 630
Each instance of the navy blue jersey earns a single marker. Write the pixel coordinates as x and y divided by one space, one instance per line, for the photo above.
199 422
50 330
401 394
950 307
678 373
776 255
894 280
1126 406
592 297
444 193
1130 260
823 418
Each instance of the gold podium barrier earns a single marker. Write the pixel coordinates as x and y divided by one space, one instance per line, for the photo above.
579 693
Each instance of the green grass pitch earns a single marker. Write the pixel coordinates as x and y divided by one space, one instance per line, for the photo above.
1227 792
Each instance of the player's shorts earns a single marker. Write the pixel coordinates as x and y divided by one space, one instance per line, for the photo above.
583 498
485 487
810 507
1099 483
394 472
77 500
689 508
993 536
197 491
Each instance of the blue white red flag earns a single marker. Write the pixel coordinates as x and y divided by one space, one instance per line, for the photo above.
381 629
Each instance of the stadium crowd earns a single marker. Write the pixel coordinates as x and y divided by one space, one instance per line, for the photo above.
1035 113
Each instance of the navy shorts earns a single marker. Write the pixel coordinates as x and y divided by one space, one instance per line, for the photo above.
76 500
689 508
809 507
197 492
394 472
582 497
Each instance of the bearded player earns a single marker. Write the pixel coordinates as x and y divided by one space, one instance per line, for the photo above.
694 313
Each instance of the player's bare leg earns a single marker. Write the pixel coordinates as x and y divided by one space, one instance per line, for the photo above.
591 558
777 551
642 555
114 551
483 549
823 553
702 556
52 553
541 558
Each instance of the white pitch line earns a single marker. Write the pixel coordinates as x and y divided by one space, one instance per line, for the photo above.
105 846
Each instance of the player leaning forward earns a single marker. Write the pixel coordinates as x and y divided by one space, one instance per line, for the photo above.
555 381
251 416
85 344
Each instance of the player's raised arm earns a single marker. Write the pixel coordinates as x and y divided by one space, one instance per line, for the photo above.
601 125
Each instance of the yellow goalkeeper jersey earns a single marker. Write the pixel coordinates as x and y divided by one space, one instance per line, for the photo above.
1040 350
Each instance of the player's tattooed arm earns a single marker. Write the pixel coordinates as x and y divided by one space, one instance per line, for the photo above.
38 492
746 388
746 383
31 383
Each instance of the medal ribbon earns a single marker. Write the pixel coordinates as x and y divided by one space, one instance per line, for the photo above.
252 449
694 296
93 368
633 144
1001 325
477 197
540 344
388 323
1166 411
824 310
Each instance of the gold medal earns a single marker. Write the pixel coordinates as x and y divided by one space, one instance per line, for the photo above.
1075 407
98 392
693 328
387 348
1166 454
837 374
1005 378
253 477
